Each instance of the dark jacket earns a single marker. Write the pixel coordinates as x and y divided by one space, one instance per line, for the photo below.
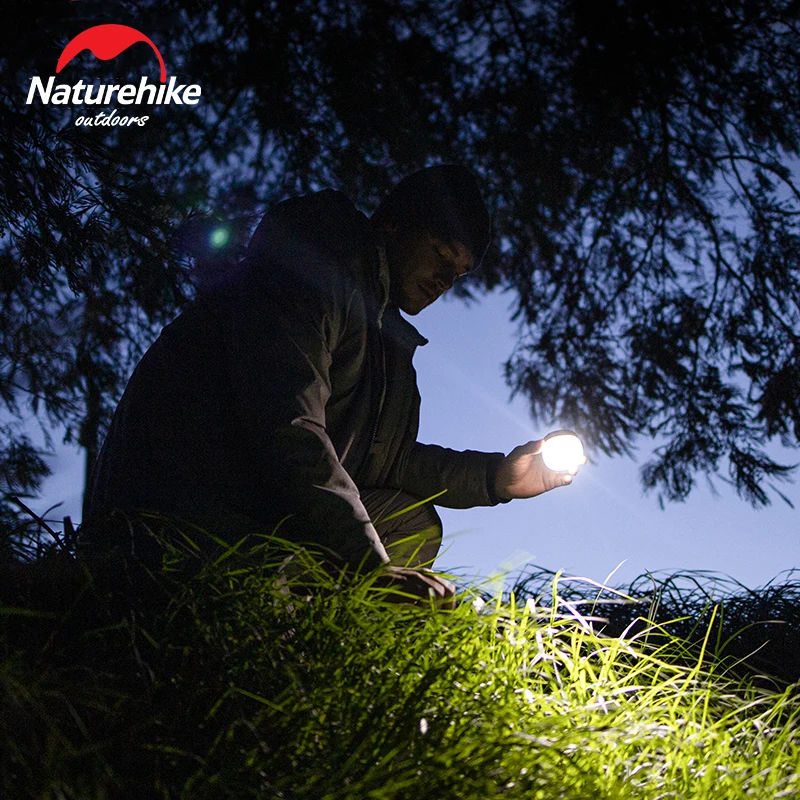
282 393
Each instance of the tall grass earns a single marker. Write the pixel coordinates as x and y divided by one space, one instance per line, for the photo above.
755 632
238 674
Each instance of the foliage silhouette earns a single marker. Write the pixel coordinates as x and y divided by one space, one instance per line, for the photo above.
639 159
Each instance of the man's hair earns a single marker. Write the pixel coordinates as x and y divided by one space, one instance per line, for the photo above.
444 201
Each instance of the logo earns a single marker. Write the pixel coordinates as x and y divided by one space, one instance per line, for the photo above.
106 42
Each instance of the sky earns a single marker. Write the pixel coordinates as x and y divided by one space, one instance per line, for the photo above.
601 523
603 520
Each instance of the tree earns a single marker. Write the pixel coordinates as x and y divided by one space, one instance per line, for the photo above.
638 158
662 293
87 268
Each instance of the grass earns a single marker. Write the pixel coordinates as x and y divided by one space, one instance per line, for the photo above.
237 674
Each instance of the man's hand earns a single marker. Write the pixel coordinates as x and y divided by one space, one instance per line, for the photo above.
422 586
522 473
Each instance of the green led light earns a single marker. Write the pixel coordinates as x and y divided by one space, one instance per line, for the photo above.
219 237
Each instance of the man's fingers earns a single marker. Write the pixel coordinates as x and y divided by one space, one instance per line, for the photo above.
421 585
438 587
443 594
574 470
528 449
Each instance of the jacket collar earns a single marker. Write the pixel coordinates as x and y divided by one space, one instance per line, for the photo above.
383 281
399 327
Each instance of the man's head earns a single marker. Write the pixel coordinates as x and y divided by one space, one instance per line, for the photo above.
436 228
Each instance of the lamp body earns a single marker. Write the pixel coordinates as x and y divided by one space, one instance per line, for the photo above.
562 451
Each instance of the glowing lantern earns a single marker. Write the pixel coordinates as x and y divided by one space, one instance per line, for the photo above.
562 451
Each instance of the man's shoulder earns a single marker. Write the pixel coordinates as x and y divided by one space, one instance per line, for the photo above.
317 247
325 221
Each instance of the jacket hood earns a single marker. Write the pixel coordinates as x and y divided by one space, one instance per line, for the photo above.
325 221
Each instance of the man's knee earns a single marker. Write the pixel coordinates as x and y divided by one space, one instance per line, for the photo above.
410 532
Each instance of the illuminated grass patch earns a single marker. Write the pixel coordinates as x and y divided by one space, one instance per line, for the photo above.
237 681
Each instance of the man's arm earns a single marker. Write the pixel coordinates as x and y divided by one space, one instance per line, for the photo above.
467 476
473 478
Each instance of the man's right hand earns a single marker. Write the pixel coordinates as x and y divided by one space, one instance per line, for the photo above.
417 586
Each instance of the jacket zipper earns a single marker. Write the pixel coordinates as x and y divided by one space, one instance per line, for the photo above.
383 393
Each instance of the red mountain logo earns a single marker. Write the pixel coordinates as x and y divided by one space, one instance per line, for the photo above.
107 42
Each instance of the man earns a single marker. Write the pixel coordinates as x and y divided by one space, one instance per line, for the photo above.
286 393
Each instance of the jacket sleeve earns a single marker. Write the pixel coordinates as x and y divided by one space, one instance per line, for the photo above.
282 330
468 476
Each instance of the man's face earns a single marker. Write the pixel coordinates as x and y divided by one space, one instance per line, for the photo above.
422 268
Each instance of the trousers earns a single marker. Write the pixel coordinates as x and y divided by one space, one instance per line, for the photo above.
410 531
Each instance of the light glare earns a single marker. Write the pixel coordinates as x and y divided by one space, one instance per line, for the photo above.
562 451
219 237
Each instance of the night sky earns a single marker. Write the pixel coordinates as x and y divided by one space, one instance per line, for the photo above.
603 518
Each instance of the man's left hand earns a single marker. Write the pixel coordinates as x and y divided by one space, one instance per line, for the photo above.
522 473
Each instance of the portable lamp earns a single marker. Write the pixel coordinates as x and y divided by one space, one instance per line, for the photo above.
562 451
